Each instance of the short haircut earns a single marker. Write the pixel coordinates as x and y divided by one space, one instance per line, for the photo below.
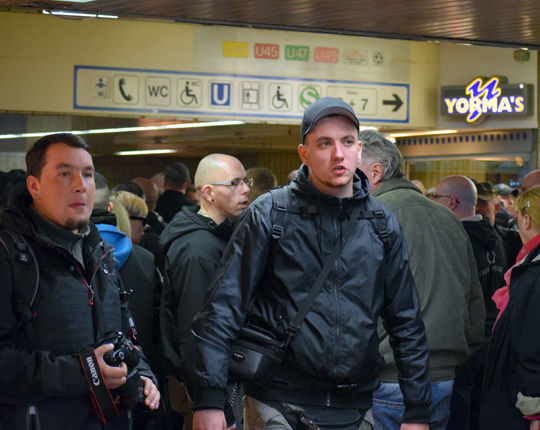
130 187
263 181
35 157
102 195
133 204
177 173
377 149
529 203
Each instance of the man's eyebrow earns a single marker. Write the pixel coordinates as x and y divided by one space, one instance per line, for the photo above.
348 136
70 166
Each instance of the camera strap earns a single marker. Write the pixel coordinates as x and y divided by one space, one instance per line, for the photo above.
102 399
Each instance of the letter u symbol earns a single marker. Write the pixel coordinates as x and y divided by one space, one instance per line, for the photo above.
224 96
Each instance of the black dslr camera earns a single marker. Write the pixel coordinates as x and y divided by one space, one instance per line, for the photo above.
124 351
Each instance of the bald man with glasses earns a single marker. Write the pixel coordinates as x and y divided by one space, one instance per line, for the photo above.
194 242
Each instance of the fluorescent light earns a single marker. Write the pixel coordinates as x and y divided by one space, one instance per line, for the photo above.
76 14
67 13
127 129
76 1
422 133
146 152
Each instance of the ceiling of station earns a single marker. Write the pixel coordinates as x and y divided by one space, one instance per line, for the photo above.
506 23
511 23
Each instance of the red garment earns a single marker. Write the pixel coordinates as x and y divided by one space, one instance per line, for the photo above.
502 295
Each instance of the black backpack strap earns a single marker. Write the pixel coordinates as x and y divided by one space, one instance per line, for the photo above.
280 205
25 274
378 220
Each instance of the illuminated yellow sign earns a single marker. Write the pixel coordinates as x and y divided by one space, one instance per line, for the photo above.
487 97
236 49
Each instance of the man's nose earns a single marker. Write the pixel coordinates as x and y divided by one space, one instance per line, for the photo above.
78 183
338 150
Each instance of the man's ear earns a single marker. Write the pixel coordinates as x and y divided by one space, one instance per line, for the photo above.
110 207
302 152
33 185
206 193
377 172
497 208
188 183
359 154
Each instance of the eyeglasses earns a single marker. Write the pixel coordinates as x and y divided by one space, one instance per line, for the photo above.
438 196
235 183
144 220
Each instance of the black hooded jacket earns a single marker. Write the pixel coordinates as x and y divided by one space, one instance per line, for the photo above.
193 245
490 255
338 342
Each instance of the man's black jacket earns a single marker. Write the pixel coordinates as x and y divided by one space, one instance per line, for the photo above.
338 340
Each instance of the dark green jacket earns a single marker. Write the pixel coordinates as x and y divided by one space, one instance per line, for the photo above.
443 266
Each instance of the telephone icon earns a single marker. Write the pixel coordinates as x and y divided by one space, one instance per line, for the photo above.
121 84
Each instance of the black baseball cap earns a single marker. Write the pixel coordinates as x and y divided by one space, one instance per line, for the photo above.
325 107
504 190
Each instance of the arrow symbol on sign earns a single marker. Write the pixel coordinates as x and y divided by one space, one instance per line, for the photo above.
396 102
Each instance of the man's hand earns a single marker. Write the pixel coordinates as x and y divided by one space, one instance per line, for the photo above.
535 425
151 393
113 376
209 419
413 426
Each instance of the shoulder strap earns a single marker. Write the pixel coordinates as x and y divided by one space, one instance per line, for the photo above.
378 220
280 205
25 273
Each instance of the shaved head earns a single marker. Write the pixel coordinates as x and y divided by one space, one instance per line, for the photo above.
458 193
219 181
215 168
531 180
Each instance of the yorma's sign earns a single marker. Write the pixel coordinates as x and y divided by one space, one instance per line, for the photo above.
485 97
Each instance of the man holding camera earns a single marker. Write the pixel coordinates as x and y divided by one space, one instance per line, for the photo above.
61 301
331 366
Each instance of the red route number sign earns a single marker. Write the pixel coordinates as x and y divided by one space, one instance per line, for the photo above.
266 50
326 55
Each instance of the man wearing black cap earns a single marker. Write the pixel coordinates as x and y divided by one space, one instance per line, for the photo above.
176 181
332 363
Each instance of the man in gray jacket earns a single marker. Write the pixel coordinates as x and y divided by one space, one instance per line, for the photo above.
443 266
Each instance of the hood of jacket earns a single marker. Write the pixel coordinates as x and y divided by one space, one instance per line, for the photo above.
187 221
121 243
393 185
482 232
301 182
19 218
105 222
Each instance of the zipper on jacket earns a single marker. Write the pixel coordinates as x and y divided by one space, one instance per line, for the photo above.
336 292
88 287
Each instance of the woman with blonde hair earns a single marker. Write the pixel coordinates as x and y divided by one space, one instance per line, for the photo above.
511 394
137 210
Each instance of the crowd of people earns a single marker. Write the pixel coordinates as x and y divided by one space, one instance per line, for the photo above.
389 306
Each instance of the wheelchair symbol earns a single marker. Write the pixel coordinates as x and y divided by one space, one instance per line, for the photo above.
187 97
278 101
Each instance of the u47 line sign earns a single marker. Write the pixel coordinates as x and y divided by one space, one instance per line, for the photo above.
212 95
